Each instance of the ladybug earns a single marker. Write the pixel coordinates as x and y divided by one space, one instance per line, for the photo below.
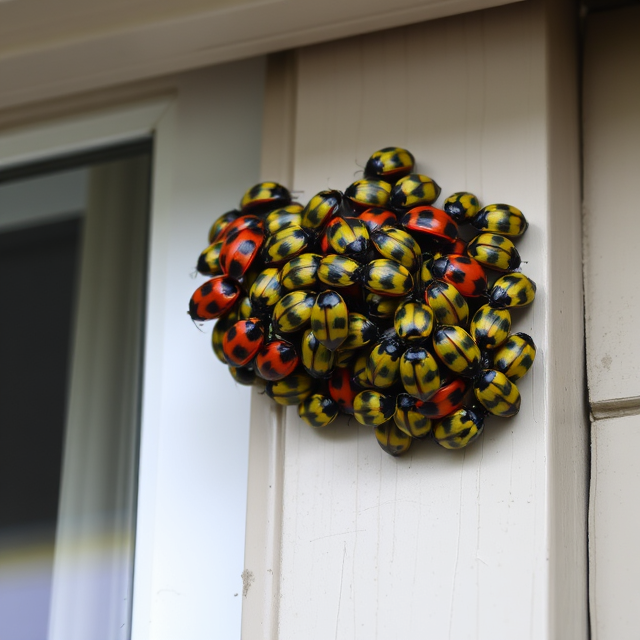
392 440
383 364
387 277
372 408
318 410
301 272
209 260
409 419
390 164
502 219
348 235
459 247
512 290
290 390
460 429
239 251
265 196
343 389
265 292
413 321
285 244
494 251
219 329
414 190
276 360
376 217
381 307
368 193
360 372
240 224
339 271
330 319
361 332
214 298
419 373
344 357
293 311
496 393
457 350
465 273
446 400
396 244
244 308
461 206
242 341
325 247
284 217
490 327
448 305
316 358
431 223
251 275
243 375
515 357
321 208
221 223
425 271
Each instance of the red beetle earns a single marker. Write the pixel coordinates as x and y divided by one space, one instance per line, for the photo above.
447 399
464 273
376 217
459 247
243 222
239 250
276 360
242 341
343 389
431 221
325 247
214 298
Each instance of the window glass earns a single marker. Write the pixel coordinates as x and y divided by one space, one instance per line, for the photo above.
72 278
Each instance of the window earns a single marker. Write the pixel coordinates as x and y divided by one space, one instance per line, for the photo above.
72 278
192 478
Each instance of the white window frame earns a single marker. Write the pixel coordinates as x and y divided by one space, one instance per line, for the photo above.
194 424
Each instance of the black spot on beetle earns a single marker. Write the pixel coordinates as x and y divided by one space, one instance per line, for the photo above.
339 323
523 295
450 357
254 331
239 353
286 353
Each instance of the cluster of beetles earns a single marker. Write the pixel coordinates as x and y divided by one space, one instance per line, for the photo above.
372 303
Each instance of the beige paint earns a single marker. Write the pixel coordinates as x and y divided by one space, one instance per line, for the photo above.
266 442
611 169
612 299
491 542
51 49
615 529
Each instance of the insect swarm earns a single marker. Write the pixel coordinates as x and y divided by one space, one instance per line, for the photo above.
371 303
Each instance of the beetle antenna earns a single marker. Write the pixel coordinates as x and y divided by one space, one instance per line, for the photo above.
196 325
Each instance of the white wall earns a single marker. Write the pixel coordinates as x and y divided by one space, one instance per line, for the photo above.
489 542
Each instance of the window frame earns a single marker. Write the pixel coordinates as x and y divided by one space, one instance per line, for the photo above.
192 465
